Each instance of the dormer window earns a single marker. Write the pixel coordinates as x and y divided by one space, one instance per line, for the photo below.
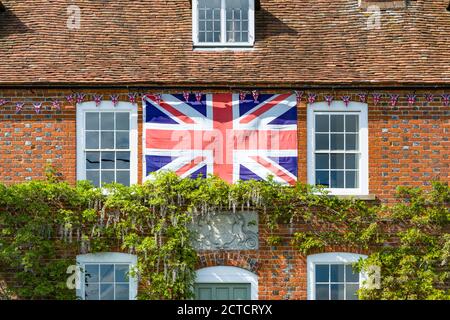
223 23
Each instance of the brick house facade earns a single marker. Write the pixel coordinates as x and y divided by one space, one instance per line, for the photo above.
148 47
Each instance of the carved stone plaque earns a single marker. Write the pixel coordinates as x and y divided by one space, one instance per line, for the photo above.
226 231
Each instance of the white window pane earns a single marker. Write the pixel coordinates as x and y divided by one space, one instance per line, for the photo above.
351 179
94 177
107 140
122 121
92 160
352 123
107 177
322 142
351 292
337 272
91 273
337 123
121 272
123 160
323 178
91 291
108 160
337 142
245 37
217 26
107 121
214 4
209 25
92 140
337 161
337 179
244 14
322 273
322 123
237 4
122 140
244 26
122 292
351 274
202 14
202 25
123 177
111 138
216 14
236 14
351 161
106 273
322 161
322 292
337 292
92 121
351 141
106 291
237 37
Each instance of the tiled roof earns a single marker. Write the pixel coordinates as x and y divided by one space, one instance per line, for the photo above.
149 42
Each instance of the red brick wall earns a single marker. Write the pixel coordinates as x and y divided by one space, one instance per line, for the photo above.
407 145
281 269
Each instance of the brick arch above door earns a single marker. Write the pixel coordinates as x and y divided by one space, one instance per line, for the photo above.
245 261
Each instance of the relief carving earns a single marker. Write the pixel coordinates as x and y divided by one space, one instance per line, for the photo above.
226 231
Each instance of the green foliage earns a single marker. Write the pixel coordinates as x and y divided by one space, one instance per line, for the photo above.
416 266
273 240
45 224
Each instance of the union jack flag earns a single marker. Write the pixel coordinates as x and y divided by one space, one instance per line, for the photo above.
223 135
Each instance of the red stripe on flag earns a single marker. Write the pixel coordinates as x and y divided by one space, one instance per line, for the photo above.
181 116
190 165
210 139
276 171
223 124
265 107
265 139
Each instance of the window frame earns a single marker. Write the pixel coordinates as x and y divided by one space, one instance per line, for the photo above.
330 258
223 31
107 258
339 107
228 274
106 106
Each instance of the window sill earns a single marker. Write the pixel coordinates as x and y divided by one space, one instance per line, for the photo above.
367 197
223 48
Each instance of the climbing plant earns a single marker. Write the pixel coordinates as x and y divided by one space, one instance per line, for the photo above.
45 224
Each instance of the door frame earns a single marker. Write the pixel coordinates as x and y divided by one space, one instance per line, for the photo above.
228 274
